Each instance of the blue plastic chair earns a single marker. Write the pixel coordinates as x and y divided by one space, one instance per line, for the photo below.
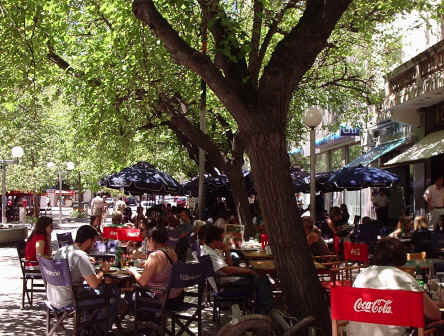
184 276
225 293
64 239
57 275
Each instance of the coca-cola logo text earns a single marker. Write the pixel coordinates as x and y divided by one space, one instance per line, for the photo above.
378 306
355 251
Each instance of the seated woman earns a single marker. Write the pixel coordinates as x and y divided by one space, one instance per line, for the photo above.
142 251
345 214
39 242
389 254
335 220
403 228
315 242
158 267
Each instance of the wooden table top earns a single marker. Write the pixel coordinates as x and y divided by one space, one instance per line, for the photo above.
268 266
263 266
256 255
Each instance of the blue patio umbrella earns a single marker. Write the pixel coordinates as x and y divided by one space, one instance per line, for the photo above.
214 184
142 178
360 177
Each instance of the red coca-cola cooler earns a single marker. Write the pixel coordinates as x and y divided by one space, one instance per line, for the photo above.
124 234
130 235
356 251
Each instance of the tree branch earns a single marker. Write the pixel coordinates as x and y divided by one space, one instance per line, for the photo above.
234 63
254 61
197 137
183 54
61 63
290 61
103 18
273 29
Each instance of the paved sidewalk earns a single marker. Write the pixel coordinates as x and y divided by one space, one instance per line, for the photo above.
32 320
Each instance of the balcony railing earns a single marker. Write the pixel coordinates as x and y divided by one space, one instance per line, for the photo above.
420 76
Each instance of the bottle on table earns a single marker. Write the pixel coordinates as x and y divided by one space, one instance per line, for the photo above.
419 276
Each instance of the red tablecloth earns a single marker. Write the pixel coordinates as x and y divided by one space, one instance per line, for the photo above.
118 233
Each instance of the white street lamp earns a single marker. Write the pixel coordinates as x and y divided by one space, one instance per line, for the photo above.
69 166
17 152
312 118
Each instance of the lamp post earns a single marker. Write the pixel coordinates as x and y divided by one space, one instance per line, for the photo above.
312 118
69 166
17 152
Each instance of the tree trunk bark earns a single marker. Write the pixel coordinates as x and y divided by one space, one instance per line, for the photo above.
271 171
36 201
240 198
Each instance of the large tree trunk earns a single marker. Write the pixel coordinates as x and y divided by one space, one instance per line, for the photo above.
270 165
240 198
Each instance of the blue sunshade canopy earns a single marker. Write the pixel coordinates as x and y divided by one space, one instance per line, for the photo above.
215 184
142 178
360 177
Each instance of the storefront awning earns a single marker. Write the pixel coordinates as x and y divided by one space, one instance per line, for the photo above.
376 152
430 145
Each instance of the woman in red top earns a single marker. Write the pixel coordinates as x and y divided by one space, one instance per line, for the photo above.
39 243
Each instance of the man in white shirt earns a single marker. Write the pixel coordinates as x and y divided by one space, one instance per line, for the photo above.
223 265
434 196
389 254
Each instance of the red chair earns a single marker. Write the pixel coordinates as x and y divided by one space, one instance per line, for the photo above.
387 307
356 252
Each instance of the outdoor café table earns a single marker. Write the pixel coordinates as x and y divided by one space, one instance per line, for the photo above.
256 255
269 267
263 266
121 233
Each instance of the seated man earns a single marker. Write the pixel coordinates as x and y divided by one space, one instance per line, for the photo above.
384 274
81 270
223 265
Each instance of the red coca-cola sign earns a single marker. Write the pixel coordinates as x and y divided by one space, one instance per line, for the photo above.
378 306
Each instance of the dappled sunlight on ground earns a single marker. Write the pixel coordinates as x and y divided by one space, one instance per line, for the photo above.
32 320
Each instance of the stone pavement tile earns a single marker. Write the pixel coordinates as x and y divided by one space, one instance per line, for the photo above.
32 320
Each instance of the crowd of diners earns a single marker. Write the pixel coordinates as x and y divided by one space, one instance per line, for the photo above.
156 223
157 257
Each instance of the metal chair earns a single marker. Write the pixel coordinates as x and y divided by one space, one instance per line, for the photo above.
417 256
32 281
225 293
64 239
57 275
186 276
